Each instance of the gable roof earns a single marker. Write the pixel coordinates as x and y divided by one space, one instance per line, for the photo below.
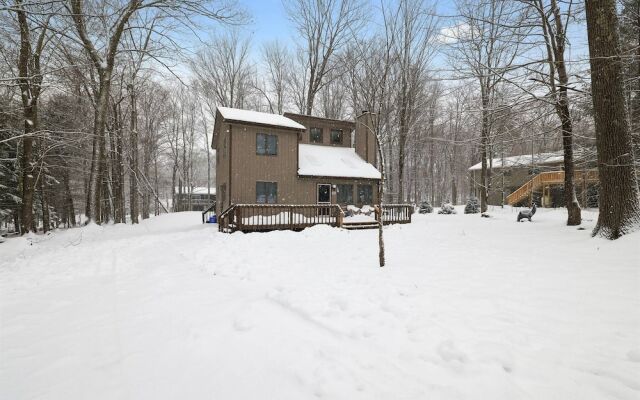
524 160
330 161
256 117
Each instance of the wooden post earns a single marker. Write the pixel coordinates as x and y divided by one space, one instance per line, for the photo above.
584 189
291 217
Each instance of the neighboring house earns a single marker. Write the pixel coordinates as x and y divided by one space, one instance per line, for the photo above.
196 199
293 159
518 180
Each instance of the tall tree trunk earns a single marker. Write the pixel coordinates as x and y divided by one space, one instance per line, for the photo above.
27 166
46 220
571 202
485 175
619 205
146 196
98 161
133 158
29 83
68 198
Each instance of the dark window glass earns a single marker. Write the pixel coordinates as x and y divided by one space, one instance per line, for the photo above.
266 144
266 192
345 194
315 135
324 193
365 194
336 136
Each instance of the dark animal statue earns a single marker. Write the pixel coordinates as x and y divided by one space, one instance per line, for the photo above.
527 214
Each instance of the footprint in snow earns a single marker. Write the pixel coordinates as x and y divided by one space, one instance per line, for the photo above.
634 355
448 351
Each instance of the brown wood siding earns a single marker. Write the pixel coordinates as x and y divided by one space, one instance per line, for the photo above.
239 168
249 167
222 166
365 139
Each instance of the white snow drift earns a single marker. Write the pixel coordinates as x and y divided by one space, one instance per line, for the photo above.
468 308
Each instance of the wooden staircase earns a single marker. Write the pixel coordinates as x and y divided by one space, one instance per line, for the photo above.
544 179
360 225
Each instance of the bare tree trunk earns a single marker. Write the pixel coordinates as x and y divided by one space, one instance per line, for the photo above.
619 205
133 158
46 220
29 81
485 175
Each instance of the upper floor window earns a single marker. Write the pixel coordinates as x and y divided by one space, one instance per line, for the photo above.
336 136
315 135
266 144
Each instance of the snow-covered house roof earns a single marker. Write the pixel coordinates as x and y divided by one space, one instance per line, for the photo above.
524 160
339 162
255 117
196 190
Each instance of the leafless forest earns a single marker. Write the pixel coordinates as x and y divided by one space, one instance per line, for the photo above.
107 106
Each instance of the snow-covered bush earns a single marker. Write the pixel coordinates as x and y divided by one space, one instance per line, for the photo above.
447 208
425 208
367 210
351 211
473 206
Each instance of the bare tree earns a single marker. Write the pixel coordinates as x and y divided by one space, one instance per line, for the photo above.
224 71
553 23
277 63
102 50
325 26
619 205
486 43
414 48
29 79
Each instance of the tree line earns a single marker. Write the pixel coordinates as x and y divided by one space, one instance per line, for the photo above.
107 106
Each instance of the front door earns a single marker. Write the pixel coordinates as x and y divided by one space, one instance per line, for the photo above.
324 193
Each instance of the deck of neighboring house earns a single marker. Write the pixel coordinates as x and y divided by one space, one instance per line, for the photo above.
523 179
543 183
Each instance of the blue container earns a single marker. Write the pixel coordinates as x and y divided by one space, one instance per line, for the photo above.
213 219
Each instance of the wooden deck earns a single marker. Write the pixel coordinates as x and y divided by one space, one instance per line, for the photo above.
546 179
271 217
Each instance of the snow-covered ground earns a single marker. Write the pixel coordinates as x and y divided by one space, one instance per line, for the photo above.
467 308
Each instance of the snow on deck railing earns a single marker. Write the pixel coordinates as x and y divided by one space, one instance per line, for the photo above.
255 217
263 217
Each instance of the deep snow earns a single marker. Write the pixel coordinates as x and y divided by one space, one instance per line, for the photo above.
468 308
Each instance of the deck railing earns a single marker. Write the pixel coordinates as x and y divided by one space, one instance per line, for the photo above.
395 213
209 212
271 217
548 178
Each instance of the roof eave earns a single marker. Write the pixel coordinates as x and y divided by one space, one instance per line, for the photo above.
235 121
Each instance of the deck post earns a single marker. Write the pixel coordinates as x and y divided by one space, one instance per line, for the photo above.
291 217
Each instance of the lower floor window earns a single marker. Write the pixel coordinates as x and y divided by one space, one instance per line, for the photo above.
266 192
345 194
365 194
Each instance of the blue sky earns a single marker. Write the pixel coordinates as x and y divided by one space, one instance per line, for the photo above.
268 21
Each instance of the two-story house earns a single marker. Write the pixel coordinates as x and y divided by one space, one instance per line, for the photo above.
293 159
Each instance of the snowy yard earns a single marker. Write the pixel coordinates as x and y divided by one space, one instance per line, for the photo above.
468 308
